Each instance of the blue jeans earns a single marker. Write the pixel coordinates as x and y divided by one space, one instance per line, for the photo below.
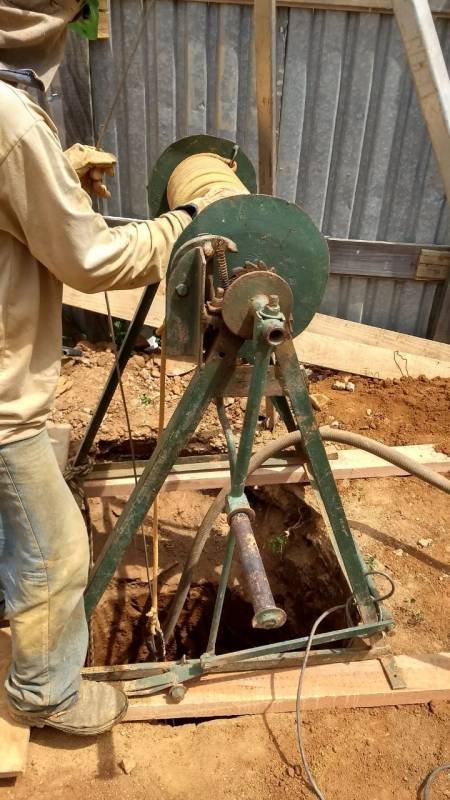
44 561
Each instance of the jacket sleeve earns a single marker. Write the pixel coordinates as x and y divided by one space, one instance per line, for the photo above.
45 207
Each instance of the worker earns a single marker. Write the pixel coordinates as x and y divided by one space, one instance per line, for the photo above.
50 235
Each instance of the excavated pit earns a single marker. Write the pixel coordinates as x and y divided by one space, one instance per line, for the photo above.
302 569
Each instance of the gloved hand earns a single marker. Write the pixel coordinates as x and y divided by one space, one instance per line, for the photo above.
91 166
217 193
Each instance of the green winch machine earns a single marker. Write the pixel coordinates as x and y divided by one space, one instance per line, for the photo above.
245 277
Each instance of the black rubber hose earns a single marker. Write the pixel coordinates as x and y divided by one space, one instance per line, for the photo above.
271 449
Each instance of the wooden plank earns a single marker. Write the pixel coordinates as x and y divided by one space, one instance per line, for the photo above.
193 464
103 19
379 337
433 265
360 359
13 738
383 259
439 8
361 684
430 75
264 16
366 350
123 303
349 464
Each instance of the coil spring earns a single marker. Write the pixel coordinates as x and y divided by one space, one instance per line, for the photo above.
222 264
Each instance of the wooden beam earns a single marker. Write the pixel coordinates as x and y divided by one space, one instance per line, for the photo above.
264 36
430 75
441 8
362 684
366 350
123 303
118 481
13 738
103 19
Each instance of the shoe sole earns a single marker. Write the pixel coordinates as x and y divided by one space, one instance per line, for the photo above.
29 722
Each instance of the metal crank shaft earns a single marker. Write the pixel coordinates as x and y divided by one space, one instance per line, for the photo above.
266 613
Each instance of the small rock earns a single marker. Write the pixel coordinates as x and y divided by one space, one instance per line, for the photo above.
298 769
424 542
369 412
139 361
127 765
340 385
291 772
398 552
244 403
154 372
319 401
228 401
350 387
335 424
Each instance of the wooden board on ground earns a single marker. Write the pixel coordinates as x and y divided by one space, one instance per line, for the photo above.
349 464
365 350
360 684
123 302
13 738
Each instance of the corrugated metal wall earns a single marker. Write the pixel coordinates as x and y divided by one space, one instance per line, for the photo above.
352 145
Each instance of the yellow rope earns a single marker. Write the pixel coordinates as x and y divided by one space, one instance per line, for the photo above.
195 175
155 626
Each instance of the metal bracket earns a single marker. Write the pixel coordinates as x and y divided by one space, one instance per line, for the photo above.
392 671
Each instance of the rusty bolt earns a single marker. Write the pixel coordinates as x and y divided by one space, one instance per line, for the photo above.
177 693
220 291
181 290
274 301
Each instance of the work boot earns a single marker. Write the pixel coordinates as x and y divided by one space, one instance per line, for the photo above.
98 708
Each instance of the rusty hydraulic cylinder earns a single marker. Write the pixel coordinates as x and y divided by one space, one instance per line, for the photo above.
266 615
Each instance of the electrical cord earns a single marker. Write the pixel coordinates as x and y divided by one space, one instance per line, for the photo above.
430 779
298 715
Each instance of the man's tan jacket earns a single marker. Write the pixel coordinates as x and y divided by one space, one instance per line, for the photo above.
50 235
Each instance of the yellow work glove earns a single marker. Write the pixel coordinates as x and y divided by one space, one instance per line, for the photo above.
202 179
217 193
91 166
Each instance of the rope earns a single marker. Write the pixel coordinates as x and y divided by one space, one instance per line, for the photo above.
197 174
155 626
127 421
